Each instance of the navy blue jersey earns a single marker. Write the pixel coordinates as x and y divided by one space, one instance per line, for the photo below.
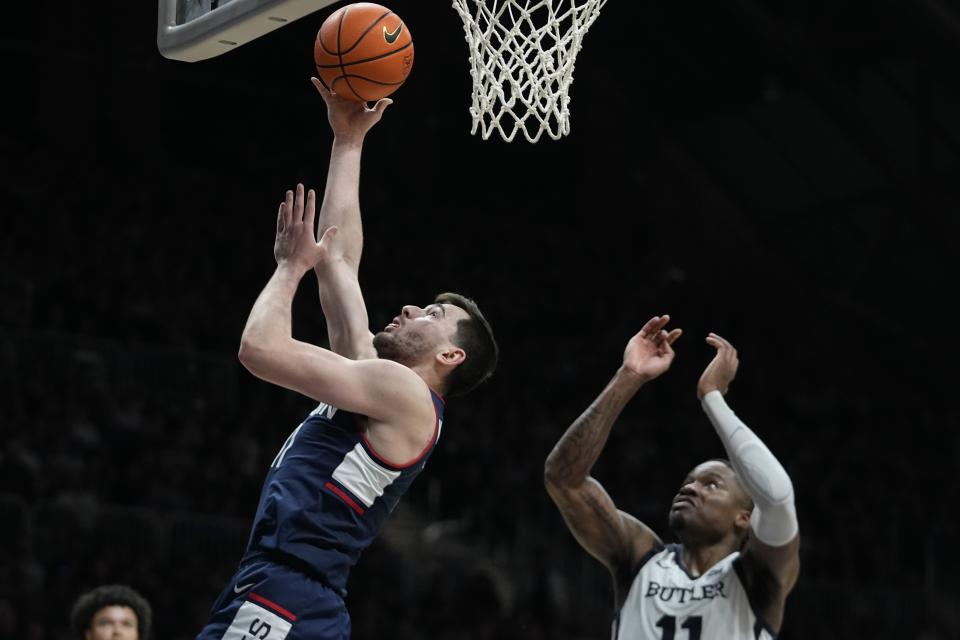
328 494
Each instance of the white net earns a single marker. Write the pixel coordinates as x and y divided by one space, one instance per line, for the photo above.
522 55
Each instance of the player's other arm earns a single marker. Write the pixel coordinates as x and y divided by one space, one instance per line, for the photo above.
772 552
337 276
613 537
375 388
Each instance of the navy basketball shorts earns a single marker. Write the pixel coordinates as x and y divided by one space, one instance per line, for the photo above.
268 601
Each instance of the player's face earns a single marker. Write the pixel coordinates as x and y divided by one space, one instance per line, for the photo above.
419 333
113 623
709 504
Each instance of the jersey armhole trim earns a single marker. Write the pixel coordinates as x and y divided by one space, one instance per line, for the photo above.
628 583
644 559
394 466
761 621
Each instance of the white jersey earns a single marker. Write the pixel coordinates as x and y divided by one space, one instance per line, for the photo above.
666 603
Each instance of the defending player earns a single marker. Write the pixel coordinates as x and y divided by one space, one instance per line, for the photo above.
738 554
340 473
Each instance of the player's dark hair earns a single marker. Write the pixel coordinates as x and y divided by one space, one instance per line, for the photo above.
475 337
111 595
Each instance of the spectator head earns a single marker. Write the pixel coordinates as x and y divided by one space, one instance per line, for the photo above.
111 612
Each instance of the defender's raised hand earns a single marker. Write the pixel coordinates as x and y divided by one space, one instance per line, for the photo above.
295 244
722 369
649 353
349 118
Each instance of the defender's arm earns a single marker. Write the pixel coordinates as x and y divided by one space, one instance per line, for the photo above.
611 536
774 539
772 552
615 538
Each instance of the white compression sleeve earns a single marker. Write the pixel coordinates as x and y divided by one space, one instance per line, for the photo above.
774 519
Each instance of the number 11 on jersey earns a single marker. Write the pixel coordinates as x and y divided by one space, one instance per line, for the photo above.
692 624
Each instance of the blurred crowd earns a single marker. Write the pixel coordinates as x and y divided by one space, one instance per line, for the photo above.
134 444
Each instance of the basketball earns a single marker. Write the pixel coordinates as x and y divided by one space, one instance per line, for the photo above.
363 52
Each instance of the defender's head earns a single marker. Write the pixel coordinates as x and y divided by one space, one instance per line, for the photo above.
450 336
711 505
111 612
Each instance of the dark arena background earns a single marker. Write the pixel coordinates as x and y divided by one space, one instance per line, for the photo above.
787 176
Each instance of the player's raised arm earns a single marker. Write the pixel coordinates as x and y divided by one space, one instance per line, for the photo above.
615 538
771 554
350 121
376 388
340 294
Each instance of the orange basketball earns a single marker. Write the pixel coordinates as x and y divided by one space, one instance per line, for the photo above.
363 52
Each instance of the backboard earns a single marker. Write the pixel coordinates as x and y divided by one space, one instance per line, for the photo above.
192 30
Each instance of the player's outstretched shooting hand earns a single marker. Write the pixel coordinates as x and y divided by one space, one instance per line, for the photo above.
349 118
295 244
722 369
649 353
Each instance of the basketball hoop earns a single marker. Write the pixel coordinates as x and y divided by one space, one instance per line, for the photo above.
522 55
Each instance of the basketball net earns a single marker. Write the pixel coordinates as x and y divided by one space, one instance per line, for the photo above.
522 55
